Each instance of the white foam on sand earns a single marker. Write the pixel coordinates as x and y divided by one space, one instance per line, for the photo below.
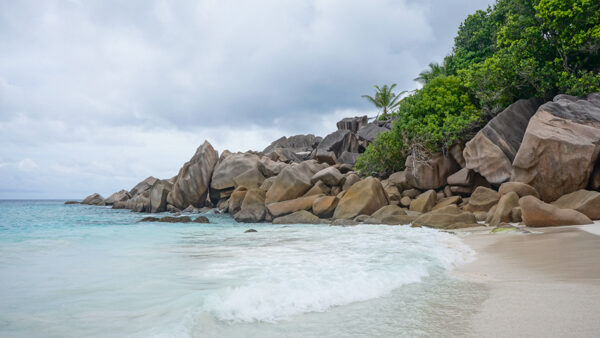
350 265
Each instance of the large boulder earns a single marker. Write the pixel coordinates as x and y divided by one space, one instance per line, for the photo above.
536 213
236 200
444 202
464 177
138 203
158 195
521 189
285 156
231 166
143 186
335 144
296 143
369 132
120 196
399 179
585 201
93 199
350 180
502 213
330 176
253 207
319 188
362 198
298 217
560 147
446 218
269 168
492 150
482 199
348 158
430 174
287 207
353 124
193 180
324 206
250 178
424 202
387 215
392 191
292 182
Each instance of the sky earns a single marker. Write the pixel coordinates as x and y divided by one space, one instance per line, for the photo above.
95 96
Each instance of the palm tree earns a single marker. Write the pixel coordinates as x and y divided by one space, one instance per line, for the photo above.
435 69
385 99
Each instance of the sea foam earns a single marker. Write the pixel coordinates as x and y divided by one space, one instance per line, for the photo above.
347 266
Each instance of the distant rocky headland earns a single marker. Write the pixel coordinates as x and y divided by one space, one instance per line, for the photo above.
535 162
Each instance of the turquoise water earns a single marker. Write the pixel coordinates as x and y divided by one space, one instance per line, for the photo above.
75 271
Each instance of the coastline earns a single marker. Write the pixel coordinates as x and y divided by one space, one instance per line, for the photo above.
545 283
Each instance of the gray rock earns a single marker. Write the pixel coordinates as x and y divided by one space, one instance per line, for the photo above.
337 143
253 207
193 180
201 219
560 147
167 219
292 182
344 222
432 173
493 149
352 124
348 158
120 196
298 217
158 195
370 131
463 177
330 176
143 186
93 199
285 156
296 143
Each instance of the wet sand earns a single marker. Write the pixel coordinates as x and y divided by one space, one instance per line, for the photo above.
542 284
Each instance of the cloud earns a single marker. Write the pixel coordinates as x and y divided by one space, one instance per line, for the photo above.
100 94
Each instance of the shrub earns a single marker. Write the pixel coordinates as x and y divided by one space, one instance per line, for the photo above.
435 117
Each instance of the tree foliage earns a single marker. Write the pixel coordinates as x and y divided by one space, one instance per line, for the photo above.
434 117
514 49
385 99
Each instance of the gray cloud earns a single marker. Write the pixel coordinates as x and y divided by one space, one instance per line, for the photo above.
96 95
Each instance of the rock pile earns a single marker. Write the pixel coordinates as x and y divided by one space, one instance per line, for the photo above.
533 163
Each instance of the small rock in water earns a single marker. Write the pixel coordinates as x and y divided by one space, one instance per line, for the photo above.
71 202
201 219
167 219
250 230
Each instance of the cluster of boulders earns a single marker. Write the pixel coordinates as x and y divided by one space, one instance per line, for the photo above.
533 163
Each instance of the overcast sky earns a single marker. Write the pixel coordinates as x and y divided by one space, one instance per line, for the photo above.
97 95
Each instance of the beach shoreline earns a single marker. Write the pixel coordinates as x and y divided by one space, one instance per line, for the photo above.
543 282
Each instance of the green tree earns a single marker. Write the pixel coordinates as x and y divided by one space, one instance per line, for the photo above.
433 118
514 49
474 42
385 99
435 70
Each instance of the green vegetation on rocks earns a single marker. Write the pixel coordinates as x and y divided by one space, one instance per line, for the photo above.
516 49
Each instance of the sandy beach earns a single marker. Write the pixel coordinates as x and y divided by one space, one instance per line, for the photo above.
543 282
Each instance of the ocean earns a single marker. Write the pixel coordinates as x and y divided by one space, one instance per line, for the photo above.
88 271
